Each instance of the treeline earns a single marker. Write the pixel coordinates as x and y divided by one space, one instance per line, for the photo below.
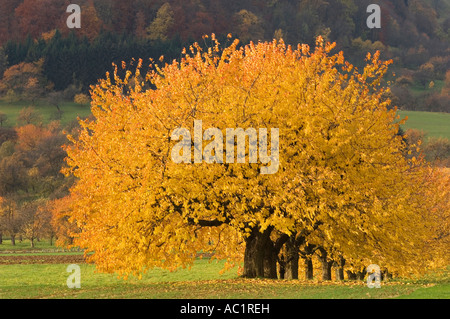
415 34
31 158
405 23
72 60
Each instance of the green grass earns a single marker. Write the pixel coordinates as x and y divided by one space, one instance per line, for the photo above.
25 245
434 124
201 282
428 292
417 89
70 111
42 247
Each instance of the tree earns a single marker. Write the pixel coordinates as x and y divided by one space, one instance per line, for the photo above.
341 181
437 150
139 30
10 219
12 175
82 99
25 79
37 17
8 22
30 224
56 98
160 26
123 13
64 229
438 193
3 118
446 87
29 115
249 26
35 220
3 62
92 24
31 158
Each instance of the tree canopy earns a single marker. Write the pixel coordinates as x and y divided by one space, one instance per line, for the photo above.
343 182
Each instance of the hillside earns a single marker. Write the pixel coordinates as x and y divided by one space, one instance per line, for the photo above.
415 34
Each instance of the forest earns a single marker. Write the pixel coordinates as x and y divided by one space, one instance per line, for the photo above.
415 34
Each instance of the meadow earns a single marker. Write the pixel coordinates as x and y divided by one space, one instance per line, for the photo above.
70 111
432 123
202 281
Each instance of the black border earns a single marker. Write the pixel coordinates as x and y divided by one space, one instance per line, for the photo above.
278 308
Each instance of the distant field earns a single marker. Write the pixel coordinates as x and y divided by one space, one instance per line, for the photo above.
70 111
434 124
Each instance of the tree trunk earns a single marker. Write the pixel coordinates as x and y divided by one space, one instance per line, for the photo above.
385 275
307 254
251 257
360 274
13 240
326 270
270 260
282 264
340 269
326 265
309 270
292 257
351 275
259 255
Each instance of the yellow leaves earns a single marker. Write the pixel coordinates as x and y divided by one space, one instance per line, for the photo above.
340 163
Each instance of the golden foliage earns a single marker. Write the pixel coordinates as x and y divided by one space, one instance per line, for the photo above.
341 162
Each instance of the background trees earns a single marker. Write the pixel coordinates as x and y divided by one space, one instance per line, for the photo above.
162 24
415 36
37 17
30 161
24 80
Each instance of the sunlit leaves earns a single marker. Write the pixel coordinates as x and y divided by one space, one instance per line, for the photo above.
343 180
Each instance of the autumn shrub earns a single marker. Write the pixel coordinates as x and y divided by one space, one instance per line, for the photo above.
81 98
436 102
437 151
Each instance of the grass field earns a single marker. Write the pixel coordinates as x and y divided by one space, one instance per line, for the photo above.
25 246
70 111
434 124
202 281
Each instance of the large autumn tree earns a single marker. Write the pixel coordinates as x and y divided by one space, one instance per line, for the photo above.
341 176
